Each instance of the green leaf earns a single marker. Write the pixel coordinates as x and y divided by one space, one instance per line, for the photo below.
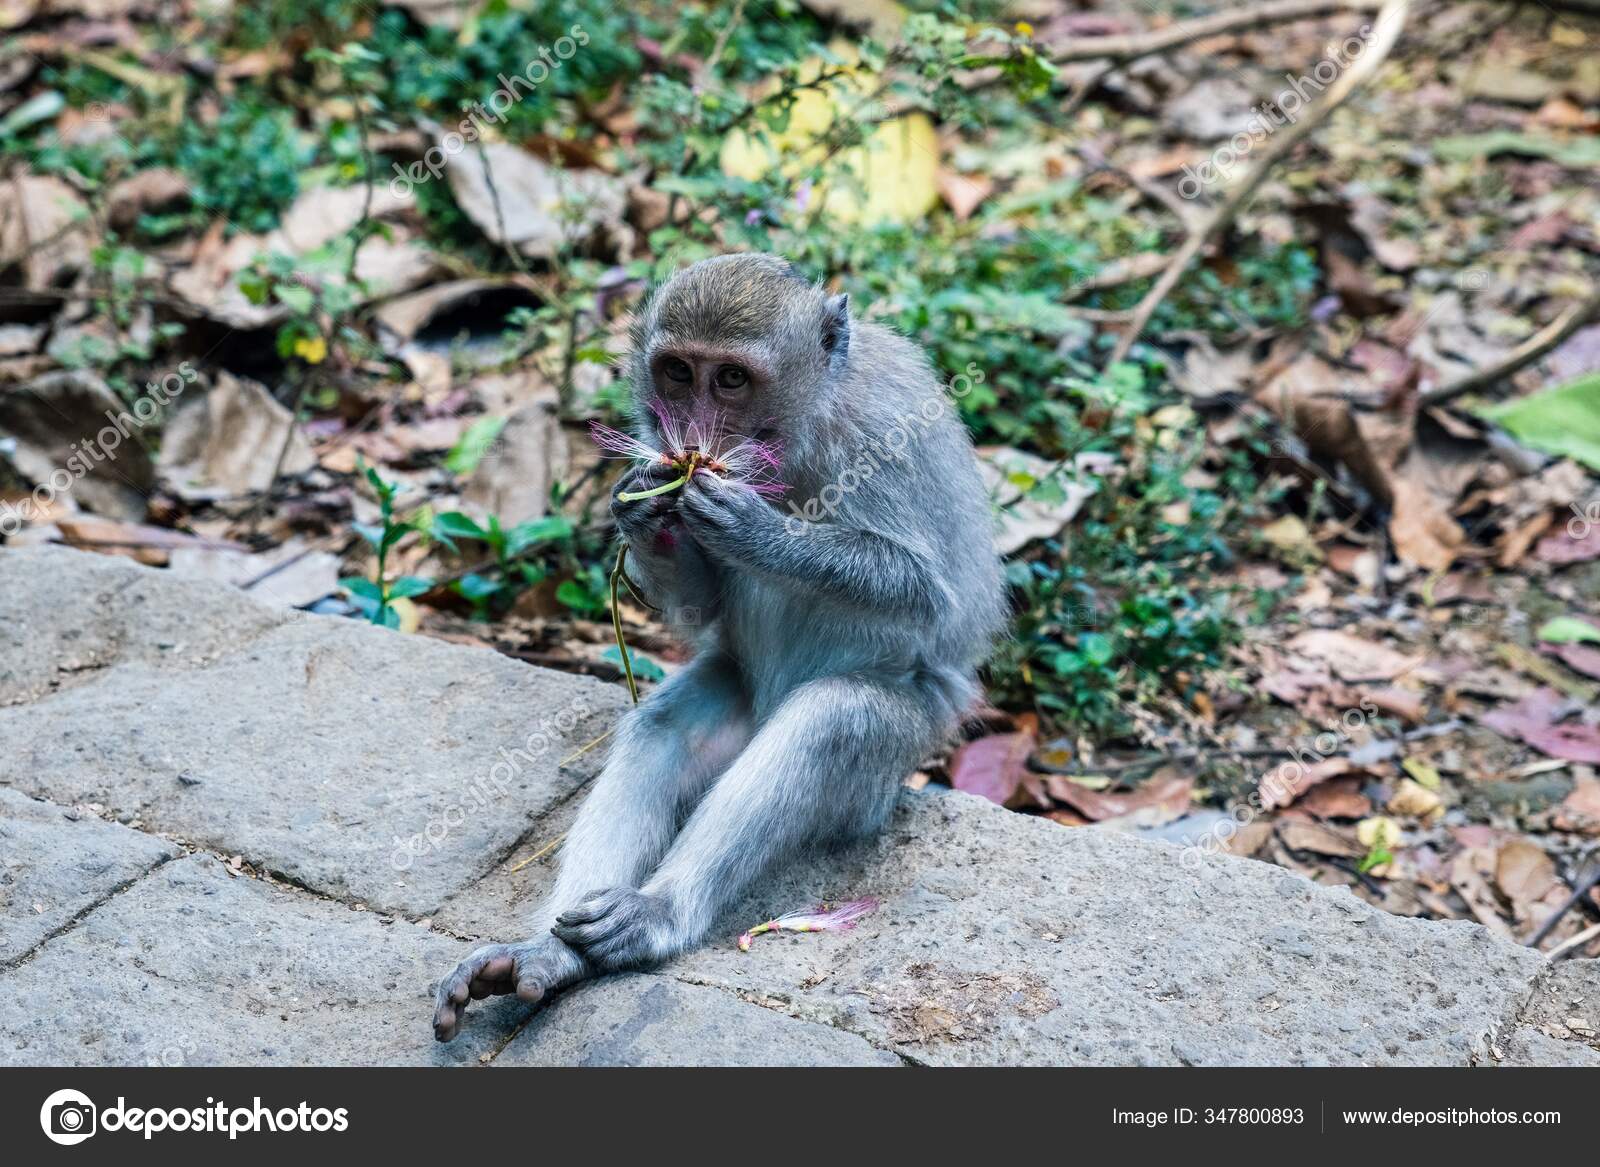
297 297
476 588
1576 152
1563 420
373 533
1095 647
545 530
409 585
473 445
644 668
574 595
361 588
1568 630
254 287
389 618
33 111
457 525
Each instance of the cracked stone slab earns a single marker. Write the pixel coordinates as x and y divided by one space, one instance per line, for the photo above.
328 751
364 764
194 966
646 1020
55 863
1006 940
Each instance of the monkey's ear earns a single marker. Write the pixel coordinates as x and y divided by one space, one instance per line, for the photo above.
836 329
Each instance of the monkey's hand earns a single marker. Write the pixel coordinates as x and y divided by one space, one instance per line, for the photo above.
620 928
729 519
642 520
532 970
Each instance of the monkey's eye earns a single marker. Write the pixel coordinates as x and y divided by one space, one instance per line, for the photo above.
677 370
732 377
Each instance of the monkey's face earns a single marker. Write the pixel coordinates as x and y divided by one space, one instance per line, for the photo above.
697 381
740 346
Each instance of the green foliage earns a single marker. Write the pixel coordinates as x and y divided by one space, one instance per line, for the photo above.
514 567
247 166
1117 611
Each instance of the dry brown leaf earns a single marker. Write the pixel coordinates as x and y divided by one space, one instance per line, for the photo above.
964 193
1524 873
226 441
1353 658
1580 811
1168 789
1320 839
1339 798
1283 784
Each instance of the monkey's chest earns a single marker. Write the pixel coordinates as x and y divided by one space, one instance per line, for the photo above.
782 639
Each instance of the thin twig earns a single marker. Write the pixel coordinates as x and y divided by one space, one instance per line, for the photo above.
1131 47
1202 756
499 215
722 38
1572 942
1385 32
1530 350
1588 875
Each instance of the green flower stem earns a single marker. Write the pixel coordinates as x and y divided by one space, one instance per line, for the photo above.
636 495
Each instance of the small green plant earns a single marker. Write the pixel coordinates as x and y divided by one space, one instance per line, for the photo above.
374 598
491 588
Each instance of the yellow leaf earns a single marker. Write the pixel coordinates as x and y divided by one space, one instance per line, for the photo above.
892 177
410 617
312 350
1422 772
1414 799
1378 832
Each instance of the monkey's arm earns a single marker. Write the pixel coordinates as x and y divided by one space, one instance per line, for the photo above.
861 567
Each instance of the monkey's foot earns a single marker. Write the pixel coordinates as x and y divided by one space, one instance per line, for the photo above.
532 970
620 928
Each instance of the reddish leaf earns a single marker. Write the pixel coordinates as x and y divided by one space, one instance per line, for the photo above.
1565 547
1167 788
992 767
1582 658
1536 720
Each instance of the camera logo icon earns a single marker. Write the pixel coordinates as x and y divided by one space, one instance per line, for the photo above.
68 1117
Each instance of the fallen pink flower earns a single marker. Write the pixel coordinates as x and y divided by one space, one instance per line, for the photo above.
819 919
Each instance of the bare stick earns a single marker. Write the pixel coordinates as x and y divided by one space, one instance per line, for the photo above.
1385 32
1523 355
721 44
1131 47
511 250
1572 942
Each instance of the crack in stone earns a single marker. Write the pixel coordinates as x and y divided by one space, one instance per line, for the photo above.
77 917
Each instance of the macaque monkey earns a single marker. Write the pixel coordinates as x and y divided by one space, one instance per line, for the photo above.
837 640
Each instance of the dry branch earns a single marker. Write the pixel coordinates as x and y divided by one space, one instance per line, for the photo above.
1122 49
1385 32
1523 355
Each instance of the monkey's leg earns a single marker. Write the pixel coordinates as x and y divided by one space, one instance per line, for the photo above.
826 765
667 751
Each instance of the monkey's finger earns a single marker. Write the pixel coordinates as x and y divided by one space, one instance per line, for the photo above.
584 913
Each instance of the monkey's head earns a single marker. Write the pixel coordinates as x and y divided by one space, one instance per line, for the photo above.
742 345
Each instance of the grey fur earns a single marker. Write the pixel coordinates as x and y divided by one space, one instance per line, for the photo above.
833 656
